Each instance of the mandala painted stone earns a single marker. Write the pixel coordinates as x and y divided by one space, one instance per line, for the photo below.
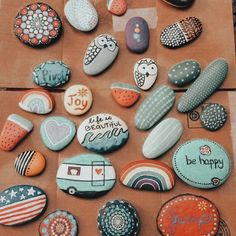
21 204
117 7
223 229
186 215
37 25
180 3
57 223
118 217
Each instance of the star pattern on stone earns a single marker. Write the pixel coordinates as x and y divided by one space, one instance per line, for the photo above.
13 193
31 191
2 199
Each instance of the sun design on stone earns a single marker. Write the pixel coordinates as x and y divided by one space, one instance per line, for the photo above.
83 92
202 206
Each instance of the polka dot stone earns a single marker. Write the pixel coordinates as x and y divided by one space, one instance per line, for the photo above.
213 117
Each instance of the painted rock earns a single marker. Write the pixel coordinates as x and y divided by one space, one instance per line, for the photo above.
100 54
137 35
202 163
14 130
30 163
213 116
86 175
117 7
118 217
145 73
180 3
57 132
186 215
21 204
38 101
124 94
81 14
154 107
204 86
148 175
162 138
59 222
223 229
37 25
51 74
181 32
103 133
184 72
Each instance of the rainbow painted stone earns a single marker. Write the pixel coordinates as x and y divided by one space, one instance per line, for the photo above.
148 175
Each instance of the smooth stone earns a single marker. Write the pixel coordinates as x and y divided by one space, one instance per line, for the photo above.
100 54
137 35
78 99
181 32
202 163
86 176
15 200
38 101
192 214
148 175
180 3
223 229
57 132
184 72
213 117
117 7
15 129
154 107
145 73
37 25
57 223
103 133
30 163
81 14
204 86
51 74
126 95
162 138
118 217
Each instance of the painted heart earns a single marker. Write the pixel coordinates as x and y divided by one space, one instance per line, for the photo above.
98 171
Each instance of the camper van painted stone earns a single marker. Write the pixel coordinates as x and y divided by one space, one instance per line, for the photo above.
86 176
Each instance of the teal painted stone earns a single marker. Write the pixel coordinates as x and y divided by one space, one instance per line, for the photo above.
154 107
103 133
204 86
57 132
202 163
51 74
86 175
184 72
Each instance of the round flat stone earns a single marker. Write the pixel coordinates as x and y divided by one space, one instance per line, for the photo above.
117 7
118 217
213 117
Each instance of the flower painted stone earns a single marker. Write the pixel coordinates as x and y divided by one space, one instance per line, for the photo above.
86 176
117 7
125 94
202 163
181 32
145 73
81 14
103 133
148 175
100 54
180 3
162 138
30 163
57 132
154 107
51 74
21 204
37 25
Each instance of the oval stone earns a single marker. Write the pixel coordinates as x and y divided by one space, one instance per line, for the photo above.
162 138
51 74
100 54
57 132
180 3
117 7
184 72
204 86
202 163
21 204
86 175
137 35
154 107
81 14
148 175
103 133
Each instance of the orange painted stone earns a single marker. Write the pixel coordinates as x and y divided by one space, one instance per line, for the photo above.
117 7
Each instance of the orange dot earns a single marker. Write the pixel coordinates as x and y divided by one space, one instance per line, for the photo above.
53 33
34 41
19 30
18 21
44 7
52 13
56 24
45 39
25 38
137 30
24 11
34 7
